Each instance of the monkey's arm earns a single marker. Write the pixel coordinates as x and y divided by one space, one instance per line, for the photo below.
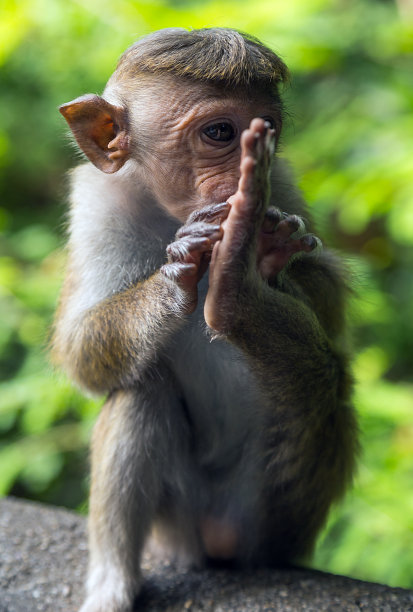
310 433
117 310
277 314
111 344
285 329
292 338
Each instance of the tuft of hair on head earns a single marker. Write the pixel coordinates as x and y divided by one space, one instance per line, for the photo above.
218 56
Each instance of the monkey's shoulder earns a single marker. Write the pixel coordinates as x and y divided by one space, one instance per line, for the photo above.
117 234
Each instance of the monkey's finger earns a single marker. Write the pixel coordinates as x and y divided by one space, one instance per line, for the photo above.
200 230
257 149
259 141
183 248
274 260
248 179
248 207
306 243
309 243
213 212
292 224
273 216
285 236
269 141
176 271
258 126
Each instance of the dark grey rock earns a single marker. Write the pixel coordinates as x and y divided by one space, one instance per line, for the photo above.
43 563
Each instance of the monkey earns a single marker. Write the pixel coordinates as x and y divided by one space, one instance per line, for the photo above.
200 301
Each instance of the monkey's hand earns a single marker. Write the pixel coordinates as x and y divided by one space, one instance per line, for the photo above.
281 236
190 254
257 242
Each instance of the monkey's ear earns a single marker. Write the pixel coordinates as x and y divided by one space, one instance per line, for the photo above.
100 129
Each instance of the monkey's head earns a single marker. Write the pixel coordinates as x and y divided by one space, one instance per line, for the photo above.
175 108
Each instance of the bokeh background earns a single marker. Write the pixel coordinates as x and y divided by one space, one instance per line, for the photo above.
349 136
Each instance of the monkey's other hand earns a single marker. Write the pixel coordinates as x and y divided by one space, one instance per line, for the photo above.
190 254
281 236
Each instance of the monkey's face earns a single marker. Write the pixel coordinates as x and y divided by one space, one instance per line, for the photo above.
186 137
182 138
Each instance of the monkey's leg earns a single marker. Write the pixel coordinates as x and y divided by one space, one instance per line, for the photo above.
130 448
309 462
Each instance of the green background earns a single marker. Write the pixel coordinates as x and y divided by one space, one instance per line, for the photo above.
349 137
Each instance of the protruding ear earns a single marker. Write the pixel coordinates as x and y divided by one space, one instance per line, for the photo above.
100 129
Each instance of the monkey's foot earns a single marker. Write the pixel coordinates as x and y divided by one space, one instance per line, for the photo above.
281 236
107 591
99 602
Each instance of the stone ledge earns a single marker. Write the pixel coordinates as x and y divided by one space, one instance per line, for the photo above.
43 563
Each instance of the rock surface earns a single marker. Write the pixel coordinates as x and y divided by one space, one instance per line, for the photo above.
43 563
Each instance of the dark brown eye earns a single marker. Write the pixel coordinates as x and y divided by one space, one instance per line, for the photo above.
220 132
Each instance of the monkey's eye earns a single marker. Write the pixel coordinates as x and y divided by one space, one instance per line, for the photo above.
220 132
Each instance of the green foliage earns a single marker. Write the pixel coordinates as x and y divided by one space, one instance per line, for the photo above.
349 136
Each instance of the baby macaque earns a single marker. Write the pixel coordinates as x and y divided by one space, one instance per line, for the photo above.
199 300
